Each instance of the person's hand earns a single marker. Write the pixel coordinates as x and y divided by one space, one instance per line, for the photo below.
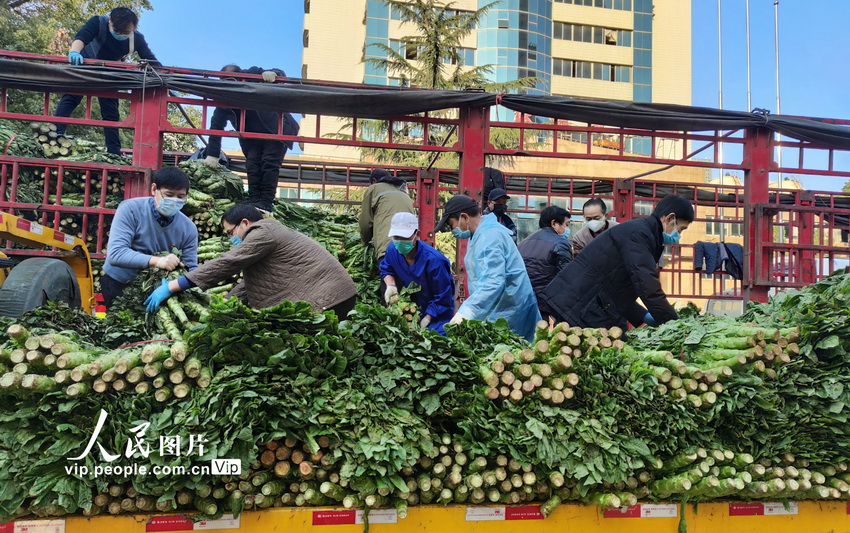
269 76
457 319
158 296
425 322
649 320
211 161
391 294
75 58
169 262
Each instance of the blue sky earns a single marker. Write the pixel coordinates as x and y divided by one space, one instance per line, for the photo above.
813 45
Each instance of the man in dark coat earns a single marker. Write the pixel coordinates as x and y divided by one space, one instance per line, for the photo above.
547 251
112 38
263 157
600 287
497 203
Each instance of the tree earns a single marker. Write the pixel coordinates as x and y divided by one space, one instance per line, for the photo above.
438 64
846 187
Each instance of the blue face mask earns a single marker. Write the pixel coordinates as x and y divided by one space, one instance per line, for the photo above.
403 247
119 37
566 234
169 207
672 238
461 234
236 240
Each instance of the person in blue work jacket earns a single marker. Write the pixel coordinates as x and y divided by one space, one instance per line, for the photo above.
498 282
408 260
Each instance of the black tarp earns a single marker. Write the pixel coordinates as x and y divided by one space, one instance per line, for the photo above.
378 103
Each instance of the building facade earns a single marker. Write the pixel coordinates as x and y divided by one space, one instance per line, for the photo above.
627 50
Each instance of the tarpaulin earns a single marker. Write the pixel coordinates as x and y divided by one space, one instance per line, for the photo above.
369 102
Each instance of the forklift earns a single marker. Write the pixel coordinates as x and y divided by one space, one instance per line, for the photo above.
36 280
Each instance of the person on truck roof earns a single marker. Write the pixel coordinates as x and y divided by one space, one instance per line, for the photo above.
146 226
278 264
409 260
499 286
112 38
263 157
600 287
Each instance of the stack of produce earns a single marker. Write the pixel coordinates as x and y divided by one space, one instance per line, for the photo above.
369 412
211 193
52 144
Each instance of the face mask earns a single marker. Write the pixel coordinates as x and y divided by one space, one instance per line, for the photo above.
566 234
403 247
500 209
119 37
169 207
595 225
236 240
672 238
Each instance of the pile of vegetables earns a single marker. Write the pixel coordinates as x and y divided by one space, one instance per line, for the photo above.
371 412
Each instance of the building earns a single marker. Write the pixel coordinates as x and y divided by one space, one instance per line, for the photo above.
628 50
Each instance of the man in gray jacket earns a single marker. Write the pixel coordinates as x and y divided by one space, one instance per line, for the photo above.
278 264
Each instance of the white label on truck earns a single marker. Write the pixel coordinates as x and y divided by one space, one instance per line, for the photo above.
477 514
225 522
776 508
659 510
378 516
39 526
69 240
36 228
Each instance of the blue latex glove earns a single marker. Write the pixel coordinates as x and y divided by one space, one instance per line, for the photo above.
75 58
158 296
649 320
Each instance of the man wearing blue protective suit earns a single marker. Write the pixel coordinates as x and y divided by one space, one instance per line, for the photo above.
409 260
498 282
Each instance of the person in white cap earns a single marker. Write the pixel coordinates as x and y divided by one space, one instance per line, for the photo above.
409 260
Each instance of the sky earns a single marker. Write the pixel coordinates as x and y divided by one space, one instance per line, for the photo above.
813 45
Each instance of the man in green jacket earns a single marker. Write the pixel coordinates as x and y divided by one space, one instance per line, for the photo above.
383 199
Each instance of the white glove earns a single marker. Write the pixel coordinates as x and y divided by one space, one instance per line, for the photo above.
391 294
169 262
425 322
269 76
212 162
457 319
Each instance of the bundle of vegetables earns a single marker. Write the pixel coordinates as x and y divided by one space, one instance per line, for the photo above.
405 305
17 143
52 143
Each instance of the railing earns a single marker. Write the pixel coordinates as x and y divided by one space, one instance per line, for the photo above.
790 238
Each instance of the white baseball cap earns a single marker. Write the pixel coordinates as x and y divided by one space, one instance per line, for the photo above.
403 225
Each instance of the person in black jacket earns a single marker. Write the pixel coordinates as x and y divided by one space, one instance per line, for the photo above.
112 38
262 157
601 286
497 203
547 251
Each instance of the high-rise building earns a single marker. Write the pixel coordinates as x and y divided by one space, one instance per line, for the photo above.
628 50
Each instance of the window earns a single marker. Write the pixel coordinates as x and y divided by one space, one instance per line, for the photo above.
504 24
304 71
410 52
594 34
306 7
643 208
306 38
586 69
395 13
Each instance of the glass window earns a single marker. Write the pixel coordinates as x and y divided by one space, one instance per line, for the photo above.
599 3
374 80
377 28
642 76
643 93
377 9
618 4
558 31
395 13
609 4
568 32
503 24
598 35
597 71
625 38
627 5
585 69
643 208
643 58
397 46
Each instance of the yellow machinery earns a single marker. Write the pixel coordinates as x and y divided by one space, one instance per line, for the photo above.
36 280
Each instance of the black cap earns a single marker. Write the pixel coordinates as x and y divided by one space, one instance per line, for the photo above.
453 207
495 194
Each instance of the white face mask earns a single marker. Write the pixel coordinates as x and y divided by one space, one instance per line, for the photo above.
596 225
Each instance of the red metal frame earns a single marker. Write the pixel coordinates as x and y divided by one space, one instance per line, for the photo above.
809 218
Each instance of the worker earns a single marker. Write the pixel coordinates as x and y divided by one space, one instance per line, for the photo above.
547 251
263 157
386 196
600 287
108 37
277 263
497 203
146 226
409 260
498 282
595 222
